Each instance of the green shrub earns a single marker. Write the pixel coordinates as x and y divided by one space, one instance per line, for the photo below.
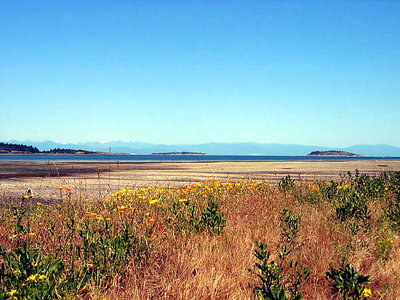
352 209
290 223
211 219
278 280
392 212
286 183
347 283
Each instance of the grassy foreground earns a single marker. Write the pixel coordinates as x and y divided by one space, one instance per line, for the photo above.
214 240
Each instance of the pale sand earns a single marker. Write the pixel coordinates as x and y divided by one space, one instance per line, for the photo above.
95 179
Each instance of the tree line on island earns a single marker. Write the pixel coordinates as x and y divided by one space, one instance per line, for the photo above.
332 153
9 148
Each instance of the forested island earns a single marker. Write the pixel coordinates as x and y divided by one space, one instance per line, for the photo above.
68 151
332 153
9 148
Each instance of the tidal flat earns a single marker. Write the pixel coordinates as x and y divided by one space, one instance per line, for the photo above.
101 178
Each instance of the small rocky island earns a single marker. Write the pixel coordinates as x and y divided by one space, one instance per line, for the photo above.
333 153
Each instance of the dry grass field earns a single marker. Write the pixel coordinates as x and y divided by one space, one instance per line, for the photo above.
201 231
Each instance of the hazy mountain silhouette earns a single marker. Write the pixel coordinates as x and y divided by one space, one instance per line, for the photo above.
215 148
375 150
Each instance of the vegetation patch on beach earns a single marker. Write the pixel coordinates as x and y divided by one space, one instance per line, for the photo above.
233 239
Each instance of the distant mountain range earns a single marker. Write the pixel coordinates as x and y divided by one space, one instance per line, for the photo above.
215 148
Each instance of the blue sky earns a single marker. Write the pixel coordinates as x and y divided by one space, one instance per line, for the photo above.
173 72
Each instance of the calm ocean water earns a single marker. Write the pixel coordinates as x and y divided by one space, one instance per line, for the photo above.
150 158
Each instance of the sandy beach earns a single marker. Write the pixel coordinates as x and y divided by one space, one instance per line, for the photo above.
100 178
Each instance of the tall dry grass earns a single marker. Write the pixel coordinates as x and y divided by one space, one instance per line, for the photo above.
179 262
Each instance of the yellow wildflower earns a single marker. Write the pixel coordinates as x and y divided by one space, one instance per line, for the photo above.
183 200
31 233
16 272
367 293
39 204
153 201
42 277
11 293
122 208
32 278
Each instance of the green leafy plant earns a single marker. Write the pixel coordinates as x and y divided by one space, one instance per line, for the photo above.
184 217
355 208
290 223
392 212
187 218
104 251
278 280
352 204
26 274
347 283
212 220
286 183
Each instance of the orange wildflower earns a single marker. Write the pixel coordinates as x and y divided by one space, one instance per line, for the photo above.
39 204
60 188
90 215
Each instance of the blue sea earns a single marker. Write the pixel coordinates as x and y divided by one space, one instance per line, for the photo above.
160 158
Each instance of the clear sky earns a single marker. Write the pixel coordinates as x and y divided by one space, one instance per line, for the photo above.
300 72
